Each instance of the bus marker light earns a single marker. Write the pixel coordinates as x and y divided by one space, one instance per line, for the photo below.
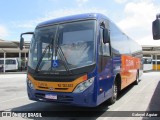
108 76
100 89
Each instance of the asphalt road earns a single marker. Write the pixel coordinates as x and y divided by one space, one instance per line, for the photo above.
142 97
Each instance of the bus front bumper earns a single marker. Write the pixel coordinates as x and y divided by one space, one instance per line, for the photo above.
86 98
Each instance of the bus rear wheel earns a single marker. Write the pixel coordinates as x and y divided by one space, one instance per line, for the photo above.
113 99
137 79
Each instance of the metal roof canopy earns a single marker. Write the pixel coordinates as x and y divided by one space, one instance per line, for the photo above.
151 52
12 50
8 44
151 49
12 47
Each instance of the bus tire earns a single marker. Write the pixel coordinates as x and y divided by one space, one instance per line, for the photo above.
137 78
113 99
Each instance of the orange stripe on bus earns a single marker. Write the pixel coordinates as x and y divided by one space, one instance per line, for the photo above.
56 86
129 68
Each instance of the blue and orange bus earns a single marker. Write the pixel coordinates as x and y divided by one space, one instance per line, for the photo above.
81 60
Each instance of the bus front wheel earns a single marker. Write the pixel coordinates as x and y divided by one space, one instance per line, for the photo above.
113 99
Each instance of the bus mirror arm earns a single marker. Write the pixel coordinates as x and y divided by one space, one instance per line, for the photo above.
22 39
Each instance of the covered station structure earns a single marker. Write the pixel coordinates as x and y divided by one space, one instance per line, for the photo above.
154 53
10 49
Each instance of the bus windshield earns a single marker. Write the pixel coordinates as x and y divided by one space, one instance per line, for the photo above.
69 44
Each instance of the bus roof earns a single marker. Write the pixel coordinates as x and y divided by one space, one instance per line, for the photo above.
73 18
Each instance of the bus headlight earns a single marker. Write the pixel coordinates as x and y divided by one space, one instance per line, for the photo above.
84 85
30 84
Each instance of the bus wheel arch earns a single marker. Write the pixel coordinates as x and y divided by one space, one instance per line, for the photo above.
118 79
116 88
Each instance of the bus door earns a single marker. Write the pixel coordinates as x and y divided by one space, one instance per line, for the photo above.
105 65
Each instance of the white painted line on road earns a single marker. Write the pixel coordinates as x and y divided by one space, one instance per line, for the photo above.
13 99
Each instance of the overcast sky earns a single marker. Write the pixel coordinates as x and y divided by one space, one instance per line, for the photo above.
134 17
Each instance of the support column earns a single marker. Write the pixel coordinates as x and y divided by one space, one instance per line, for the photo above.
20 61
4 63
152 61
156 62
152 57
25 60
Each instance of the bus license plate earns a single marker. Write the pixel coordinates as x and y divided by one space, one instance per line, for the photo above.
51 96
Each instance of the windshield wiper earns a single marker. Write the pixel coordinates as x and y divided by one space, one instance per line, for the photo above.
40 60
65 60
61 55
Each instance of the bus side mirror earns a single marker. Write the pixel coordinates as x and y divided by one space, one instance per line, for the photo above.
106 37
21 43
156 29
22 39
